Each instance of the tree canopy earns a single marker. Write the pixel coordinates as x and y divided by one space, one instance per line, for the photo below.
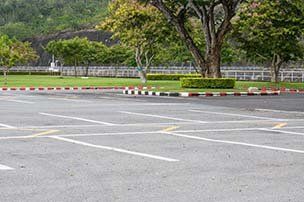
24 18
141 28
271 31
215 22
14 52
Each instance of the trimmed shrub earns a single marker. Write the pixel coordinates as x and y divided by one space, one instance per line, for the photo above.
207 83
171 77
32 73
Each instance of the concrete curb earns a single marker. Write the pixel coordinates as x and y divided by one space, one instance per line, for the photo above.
199 94
75 88
67 88
284 90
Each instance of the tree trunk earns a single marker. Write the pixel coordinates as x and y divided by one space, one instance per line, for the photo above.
5 70
138 58
194 50
275 68
213 61
142 74
61 70
87 71
75 69
178 21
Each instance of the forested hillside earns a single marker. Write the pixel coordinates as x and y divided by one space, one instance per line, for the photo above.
27 18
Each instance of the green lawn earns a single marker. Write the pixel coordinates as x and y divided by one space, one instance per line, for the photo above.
53 81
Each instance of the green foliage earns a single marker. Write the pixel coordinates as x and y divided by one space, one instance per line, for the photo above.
266 28
13 52
81 51
18 30
74 51
171 77
139 27
207 83
24 18
119 55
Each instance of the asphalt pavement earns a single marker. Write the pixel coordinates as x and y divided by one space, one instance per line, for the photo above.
106 146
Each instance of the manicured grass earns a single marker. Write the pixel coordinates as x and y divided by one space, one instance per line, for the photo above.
53 81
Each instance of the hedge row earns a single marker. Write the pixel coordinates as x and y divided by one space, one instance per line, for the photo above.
171 77
207 83
32 73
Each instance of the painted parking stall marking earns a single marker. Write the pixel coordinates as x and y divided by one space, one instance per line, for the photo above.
162 117
6 126
17 101
4 167
280 111
77 118
115 149
235 143
236 115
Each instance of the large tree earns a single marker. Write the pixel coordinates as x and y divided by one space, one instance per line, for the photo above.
215 18
271 31
139 27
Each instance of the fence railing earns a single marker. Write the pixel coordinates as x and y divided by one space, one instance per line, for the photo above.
248 73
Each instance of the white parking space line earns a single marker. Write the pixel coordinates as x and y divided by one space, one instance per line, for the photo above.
282 131
235 143
3 167
280 111
236 115
162 117
164 104
77 118
70 100
107 134
18 101
121 99
115 149
6 126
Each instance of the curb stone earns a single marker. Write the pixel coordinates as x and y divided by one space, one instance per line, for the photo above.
75 88
199 94
65 88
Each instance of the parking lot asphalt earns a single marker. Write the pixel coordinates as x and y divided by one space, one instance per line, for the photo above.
106 146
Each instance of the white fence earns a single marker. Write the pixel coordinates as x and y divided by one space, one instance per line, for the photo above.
264 75
248 73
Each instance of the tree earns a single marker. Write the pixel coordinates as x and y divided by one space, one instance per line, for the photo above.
56 48
14 52
80 51
215 18
72 51
139 27
270 31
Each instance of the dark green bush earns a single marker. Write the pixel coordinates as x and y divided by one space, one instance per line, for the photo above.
207 83
171 77
32 73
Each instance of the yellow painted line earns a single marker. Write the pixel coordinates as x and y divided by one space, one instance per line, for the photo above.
43 133
30 136
280 125
170 128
